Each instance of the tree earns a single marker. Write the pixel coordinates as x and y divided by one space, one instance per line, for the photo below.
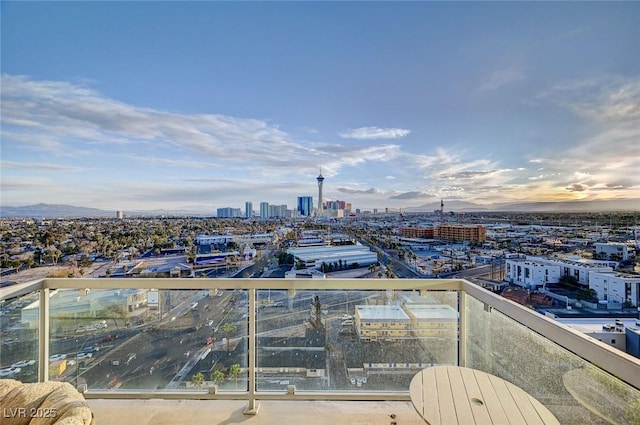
54 254
198 379
234 371
589 295
228 329
217 376
116 312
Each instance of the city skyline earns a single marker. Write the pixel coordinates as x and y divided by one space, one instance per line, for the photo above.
198 106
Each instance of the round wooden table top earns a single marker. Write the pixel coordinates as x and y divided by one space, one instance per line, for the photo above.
458 395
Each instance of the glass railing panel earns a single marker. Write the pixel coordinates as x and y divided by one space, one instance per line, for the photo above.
573 389
227 365
19 338
140 339
352 340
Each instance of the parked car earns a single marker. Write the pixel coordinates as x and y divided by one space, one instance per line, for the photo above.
347 322
90 349
10 371
23 363
55 357
108 338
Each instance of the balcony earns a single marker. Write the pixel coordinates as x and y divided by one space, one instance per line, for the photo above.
216 350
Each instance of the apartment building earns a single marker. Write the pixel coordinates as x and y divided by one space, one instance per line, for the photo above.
417 232
615 251
459 232
616 287
534 272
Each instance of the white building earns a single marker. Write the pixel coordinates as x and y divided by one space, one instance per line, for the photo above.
614 251
213 239
610 331
531 272
616 287
345 256
257 238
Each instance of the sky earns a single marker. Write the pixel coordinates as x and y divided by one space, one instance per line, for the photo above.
202 105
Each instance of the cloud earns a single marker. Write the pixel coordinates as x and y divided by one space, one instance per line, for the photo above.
470 174
61 127
610 151
577 187
374 133
357 191
69 117
502 78
39 166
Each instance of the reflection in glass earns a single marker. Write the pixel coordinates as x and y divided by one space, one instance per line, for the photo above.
352 340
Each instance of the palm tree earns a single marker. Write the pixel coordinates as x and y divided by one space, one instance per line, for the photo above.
217 376
234 371
198 379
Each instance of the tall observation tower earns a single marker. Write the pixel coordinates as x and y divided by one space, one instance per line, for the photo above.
320 207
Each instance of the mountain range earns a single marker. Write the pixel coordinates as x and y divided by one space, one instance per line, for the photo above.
554 207
54 210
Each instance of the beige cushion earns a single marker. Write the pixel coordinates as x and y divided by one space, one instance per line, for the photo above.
64 403
23 400
7 385
43 403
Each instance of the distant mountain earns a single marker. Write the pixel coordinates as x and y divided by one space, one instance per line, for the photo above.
53 211
449 206
574 206
565 206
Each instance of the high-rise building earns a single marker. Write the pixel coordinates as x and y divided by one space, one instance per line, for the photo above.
320 207
305 205
119 215
264 210
229 212
276 211
248 209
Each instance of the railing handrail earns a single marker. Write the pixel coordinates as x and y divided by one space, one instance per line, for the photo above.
618 363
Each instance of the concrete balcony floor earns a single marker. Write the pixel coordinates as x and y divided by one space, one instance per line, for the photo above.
272 412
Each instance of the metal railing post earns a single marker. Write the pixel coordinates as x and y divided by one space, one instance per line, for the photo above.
253 407
43 336
462 331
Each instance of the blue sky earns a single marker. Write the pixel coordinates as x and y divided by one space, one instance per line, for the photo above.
145 105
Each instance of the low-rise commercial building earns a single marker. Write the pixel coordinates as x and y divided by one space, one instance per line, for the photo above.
344 256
